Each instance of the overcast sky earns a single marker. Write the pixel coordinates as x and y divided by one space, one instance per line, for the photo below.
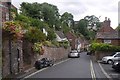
82 8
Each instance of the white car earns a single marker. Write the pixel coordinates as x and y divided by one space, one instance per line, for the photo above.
73 54
111 59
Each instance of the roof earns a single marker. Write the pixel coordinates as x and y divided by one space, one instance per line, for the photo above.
107 32
70 35
60 34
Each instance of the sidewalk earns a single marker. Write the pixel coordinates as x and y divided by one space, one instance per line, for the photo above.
22 74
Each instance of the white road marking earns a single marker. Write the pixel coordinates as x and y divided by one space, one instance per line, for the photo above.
104 71
45 68
92 70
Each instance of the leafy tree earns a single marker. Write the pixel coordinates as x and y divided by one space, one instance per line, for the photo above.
67 18
50 14
92 21
31 10
82 28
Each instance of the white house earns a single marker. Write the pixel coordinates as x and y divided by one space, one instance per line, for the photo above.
60 36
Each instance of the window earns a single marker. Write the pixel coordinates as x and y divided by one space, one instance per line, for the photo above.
7 16
107 41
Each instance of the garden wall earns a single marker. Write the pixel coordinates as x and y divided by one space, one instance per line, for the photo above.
16 64
100 54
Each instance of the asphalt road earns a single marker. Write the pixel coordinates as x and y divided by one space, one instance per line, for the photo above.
82 67
110 71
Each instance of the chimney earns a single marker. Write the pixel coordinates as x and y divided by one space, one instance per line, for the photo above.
107 22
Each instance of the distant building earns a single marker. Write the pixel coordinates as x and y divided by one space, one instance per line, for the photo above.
74 41
107 34
60 36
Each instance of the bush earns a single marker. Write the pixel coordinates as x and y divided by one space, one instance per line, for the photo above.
47 43
35 35
103 47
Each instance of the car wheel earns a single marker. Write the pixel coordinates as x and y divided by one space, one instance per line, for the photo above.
110 62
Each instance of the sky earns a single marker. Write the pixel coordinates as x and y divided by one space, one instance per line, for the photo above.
81 8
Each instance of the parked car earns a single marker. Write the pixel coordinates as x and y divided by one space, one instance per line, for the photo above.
44 62
89 52
116 66
74 54
111 59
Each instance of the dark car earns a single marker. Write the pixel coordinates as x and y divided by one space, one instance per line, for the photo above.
116 66
74 54
44 62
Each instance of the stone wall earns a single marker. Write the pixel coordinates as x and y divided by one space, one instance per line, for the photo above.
99 55
55 53
11 64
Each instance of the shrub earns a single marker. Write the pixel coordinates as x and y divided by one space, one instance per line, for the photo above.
47 43
38 47
35 35
103 47
13 27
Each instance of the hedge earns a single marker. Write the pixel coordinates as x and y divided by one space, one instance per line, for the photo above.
104 47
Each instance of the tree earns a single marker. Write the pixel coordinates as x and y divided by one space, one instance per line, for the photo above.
67 18
50 14
31 10
92 22
82 28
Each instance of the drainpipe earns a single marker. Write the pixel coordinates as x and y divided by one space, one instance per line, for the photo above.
10 54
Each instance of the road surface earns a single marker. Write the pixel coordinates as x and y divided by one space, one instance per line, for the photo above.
82 67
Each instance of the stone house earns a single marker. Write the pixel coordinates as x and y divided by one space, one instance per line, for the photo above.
107 34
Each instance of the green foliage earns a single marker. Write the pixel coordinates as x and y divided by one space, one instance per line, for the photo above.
64 44
35 35
47 43
103 47
56 43
51 35
14 28
37 47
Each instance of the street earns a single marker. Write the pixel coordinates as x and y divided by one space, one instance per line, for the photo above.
82 67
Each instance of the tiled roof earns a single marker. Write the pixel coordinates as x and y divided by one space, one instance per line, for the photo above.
107 32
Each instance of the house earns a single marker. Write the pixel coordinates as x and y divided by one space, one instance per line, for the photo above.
107 34
60 36
5 11
74 41
12 54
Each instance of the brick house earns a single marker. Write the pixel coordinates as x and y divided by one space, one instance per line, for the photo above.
107 34
5 8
